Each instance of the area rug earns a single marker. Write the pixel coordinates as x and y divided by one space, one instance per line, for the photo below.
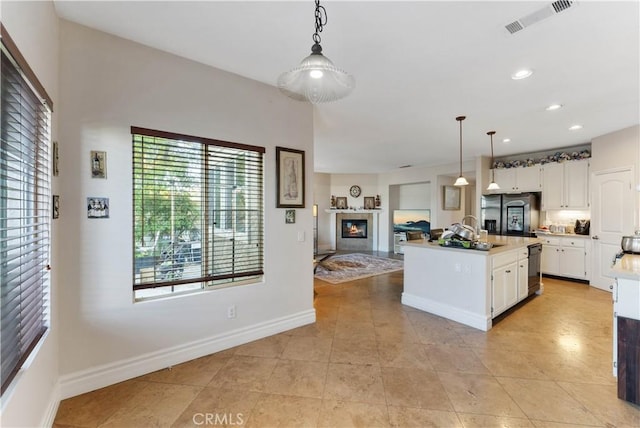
349 267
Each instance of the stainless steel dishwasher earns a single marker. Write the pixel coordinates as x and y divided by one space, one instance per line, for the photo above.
535 251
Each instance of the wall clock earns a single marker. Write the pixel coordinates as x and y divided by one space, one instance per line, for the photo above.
355 191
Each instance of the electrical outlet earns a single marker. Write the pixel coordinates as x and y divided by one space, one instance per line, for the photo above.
231 311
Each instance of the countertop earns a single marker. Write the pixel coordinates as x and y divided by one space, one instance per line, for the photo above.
628 267
508 243
561 235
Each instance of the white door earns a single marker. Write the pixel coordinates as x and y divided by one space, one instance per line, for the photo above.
611 218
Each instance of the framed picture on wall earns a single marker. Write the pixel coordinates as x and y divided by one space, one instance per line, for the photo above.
341 202
369 202
450 198
97 207
290 178
98 164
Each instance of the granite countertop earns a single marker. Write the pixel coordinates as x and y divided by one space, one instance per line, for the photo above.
628 267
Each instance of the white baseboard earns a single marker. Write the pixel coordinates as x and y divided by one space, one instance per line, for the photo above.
456 314
98 377
52 408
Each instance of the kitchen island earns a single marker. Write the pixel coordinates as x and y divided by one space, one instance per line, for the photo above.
626 326
466 285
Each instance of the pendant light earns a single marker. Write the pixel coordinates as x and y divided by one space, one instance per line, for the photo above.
461 181
493 185
316 79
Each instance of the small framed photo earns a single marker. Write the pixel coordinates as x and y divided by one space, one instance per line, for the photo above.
450 198
97 207
98 164
369 202
290 216
290 178
55 159
341 202
55 211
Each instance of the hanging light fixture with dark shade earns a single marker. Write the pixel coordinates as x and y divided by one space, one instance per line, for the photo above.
493 185
461 181
316 79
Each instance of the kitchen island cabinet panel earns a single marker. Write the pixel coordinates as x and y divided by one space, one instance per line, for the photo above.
628 359
457 283
504 281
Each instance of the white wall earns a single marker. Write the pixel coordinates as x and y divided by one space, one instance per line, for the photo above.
435 176
619 149
414 196
322 197
341 183
32 398
108 84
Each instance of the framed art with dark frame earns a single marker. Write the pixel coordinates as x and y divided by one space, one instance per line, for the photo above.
341 202
450 198
290 178
369 203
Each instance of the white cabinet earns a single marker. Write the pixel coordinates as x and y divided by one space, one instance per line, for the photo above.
518 180
509 280
398 239
505 287
565 185
523 274
566 256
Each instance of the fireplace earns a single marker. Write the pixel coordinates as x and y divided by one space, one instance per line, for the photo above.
354 228
354 231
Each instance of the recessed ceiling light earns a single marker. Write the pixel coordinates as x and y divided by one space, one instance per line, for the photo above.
554 107
575 127
506 140
522 74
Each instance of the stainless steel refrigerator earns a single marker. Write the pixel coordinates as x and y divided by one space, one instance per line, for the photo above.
510 214
491 214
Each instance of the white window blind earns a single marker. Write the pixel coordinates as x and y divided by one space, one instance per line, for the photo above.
198 212
24 211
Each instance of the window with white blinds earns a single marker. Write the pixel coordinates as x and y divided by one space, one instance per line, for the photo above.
25 121
198 213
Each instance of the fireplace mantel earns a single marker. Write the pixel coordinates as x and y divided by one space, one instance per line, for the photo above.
374 229
353 211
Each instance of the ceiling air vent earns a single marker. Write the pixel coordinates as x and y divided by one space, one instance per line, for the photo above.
537 16
514 27
561 5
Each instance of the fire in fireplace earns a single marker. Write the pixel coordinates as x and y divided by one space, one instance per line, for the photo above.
354 228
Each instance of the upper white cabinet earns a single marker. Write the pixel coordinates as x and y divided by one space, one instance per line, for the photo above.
518 180
565 185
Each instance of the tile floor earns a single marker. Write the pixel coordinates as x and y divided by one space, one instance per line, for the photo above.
370 362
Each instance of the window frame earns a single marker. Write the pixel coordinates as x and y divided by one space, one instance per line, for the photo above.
32 141
206 151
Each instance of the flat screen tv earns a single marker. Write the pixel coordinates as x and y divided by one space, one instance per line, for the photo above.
412 220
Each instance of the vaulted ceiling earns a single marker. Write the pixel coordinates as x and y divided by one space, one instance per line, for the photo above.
417 66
